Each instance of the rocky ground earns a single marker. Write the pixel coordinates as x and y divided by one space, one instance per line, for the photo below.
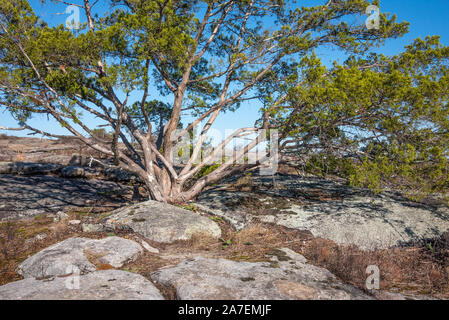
28 196
74 231
327 208
145 252
39 176
63 152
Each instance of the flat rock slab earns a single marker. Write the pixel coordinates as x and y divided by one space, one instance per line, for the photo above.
98 285
26 168
27 196
162 222
286 277
330 210
73 172
75 255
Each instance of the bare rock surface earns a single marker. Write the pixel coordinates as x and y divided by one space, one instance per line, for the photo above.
89 227
162 222
387 295
27 196
287 277
26 168
73 172
330 210
98 285
149 248
73 254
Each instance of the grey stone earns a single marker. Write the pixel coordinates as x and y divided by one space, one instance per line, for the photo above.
24 196
162 222
58 259
330 210
74 222
115 251
118 174
98 285
73 254
72 172
286 277
89 227
149 248
58 159
387 295
39 237
26 168
60 216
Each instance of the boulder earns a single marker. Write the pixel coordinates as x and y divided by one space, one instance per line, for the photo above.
60 216
331 210
286 277
387 295
25 196
78 253
89 227
27 168
57 159
73 172
37 238
149 248
98 285
162 222
5 167
118 174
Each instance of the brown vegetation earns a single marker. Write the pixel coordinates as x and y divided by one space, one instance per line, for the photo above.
418 268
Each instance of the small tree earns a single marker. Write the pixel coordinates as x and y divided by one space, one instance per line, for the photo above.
205 56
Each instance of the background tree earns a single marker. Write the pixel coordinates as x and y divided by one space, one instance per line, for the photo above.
158 113
206 57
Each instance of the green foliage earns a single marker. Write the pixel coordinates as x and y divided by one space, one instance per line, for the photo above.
102 134
188 206
137 35
207 169
322 165
371 119
375 119
216 219
225 242
158 112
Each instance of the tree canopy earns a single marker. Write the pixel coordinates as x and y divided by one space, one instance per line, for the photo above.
375 115
373 119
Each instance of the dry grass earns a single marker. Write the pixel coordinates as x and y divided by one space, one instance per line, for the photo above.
420 268
18 241
95 259
24 149
254 242
19 153
413 269
14 247
244 183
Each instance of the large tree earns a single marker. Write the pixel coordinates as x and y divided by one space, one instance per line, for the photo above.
205 57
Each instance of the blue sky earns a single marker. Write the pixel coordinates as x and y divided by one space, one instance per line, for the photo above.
426 18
